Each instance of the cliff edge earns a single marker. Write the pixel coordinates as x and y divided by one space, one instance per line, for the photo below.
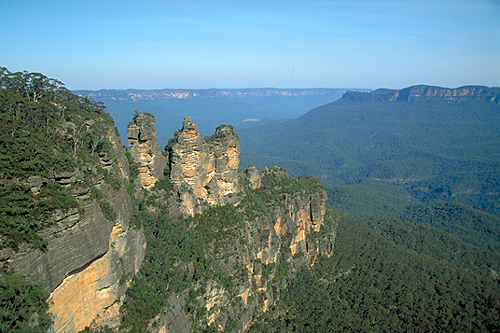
64 222
422 92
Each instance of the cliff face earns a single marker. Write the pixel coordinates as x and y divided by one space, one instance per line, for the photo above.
466 93
145 149
166 94
89 257
266 251
278 227
461 94
93 253
204 170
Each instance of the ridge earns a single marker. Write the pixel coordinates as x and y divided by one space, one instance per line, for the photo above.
419 92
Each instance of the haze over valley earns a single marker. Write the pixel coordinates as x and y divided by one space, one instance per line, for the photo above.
211 107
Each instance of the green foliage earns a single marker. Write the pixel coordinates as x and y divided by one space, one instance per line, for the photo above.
275 185
433 149
56 197
373 284
171 245
277 181
164 184
438 244
137 113
22 214
253 202
104 145
370 198
45 125
46 130
115 183
107 210
133 173
96 193
183 255
23 306
471 225
103 329
282 271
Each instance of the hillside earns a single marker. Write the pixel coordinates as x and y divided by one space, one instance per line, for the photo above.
97 238
389 276
64 209
434 143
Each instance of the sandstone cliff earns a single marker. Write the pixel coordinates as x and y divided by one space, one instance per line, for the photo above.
254 230
90 257
265 251
466 93
278 227
145 149
204 170
422 92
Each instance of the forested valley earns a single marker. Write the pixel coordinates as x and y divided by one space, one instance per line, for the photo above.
409 239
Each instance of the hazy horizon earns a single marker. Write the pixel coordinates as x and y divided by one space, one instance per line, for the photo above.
150 45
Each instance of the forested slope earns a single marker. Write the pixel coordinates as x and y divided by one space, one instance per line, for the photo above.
241 251
434 143
62 172
389 276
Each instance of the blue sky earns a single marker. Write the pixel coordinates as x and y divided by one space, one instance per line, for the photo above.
239 44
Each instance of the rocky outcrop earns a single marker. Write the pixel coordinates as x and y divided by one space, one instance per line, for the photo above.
204 170
268 250
90 258
467 93
145 149
303 213
253 176
421 92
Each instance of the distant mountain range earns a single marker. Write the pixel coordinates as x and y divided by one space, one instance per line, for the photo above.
210 107
166 94
431 142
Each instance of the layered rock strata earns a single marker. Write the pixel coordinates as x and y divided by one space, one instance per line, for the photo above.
423 92
204 170
90 258
145 149
292 235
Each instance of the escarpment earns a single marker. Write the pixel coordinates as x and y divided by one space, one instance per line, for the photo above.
227 250
204 171
423 92
92 251
253 231
275 229
466 93
183 234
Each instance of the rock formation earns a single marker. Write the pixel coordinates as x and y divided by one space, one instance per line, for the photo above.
466 93
271 247
145 149
204 170
227 264
422 92
90 258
